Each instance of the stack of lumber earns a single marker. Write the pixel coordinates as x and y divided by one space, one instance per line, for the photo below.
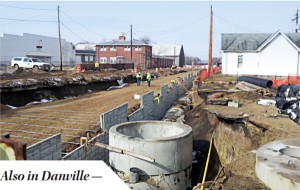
248 87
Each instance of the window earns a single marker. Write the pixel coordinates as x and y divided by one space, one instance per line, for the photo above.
120 59
113 48
17 59
91 58
126 48
103 60
102 48
113 60
27 60
82 59
137 48
148 50
240 61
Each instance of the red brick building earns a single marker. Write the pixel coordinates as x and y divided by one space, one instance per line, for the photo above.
118 51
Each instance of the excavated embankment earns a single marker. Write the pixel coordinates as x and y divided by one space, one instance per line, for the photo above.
23 92
233 139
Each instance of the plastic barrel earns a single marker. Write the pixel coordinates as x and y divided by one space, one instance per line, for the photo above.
134 175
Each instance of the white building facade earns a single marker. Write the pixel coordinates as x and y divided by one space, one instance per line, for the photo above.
275 54
32 45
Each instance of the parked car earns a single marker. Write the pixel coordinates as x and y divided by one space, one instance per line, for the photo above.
29 63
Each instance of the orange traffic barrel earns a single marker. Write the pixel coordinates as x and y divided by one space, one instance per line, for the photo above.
78 70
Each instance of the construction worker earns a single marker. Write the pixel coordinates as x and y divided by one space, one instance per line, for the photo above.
148 79
97 65
138 79
173 81
173 66
157 99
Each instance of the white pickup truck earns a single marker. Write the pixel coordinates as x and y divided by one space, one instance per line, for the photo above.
29 63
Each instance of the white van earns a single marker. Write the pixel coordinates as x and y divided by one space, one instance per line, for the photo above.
29 63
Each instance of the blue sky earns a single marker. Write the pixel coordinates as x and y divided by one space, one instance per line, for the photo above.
164 22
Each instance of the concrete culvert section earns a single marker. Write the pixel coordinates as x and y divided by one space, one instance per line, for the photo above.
278 164
170 144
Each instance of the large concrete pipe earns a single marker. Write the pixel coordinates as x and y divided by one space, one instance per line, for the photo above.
278 164
170 144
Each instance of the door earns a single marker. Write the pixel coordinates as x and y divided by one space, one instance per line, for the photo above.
27 63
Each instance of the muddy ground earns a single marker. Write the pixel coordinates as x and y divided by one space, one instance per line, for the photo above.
236 140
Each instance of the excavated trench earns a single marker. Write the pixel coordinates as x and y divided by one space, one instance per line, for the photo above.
203 125
233 138
21 97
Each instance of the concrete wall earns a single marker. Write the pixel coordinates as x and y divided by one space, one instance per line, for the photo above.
90 153
47 149
149 110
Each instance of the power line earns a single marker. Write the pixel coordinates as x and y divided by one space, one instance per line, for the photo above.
34 16
26 20
81 24
73 33
182 29
176 28
36 9
240 27
127 32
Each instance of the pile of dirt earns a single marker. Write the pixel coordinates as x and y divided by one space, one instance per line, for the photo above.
4 108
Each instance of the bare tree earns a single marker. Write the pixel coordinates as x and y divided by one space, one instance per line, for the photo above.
145 39
190 59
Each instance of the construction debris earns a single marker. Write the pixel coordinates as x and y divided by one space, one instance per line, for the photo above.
233 103
217 99
288 101
245 86
121 85
228 117
266 102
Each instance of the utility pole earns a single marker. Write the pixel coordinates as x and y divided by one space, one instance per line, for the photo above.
296 19
131 43
174 54
60 52
210 42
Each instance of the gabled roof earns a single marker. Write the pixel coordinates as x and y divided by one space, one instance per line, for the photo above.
166 50
273 36
255 42
123 43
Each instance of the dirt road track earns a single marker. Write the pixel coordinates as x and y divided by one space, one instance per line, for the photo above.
71 117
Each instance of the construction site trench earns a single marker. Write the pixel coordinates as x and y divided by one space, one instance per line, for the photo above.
25 95
237 132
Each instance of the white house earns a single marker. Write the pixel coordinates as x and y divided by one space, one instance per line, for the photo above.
175 52
261 54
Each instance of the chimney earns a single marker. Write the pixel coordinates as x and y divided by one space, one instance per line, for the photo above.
122 37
